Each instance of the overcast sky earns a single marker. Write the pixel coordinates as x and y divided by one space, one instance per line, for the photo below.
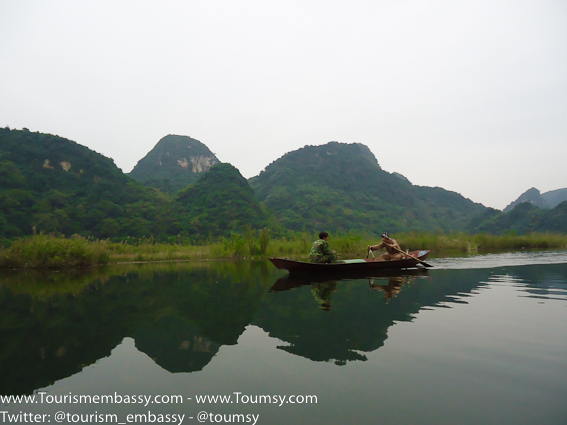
470 96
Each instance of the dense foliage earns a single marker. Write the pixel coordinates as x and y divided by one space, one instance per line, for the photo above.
52 184
341 187
174 163
221 202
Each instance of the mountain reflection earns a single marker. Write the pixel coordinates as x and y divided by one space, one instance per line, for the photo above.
177 345
179 315
52 325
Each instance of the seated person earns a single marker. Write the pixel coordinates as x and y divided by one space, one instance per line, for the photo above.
390 244
320 251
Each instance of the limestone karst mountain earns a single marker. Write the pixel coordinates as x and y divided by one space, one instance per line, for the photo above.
174 163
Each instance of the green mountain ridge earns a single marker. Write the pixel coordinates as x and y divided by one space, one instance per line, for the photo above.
545 200
51 184
339 186
524 218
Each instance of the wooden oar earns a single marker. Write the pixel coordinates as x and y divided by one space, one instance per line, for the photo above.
415 258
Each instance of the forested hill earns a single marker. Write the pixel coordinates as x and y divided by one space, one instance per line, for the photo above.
221 202
174 163
48 183
341 186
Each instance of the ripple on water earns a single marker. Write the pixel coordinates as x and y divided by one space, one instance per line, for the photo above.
539 281
505 259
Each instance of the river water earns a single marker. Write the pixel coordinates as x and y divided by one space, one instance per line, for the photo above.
474 340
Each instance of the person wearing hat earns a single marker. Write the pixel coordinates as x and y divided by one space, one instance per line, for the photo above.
390 244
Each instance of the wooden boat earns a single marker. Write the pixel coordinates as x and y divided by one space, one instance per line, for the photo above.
347 266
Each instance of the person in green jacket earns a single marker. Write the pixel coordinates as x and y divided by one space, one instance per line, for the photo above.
320 251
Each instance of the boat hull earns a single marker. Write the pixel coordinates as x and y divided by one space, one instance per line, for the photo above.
358 266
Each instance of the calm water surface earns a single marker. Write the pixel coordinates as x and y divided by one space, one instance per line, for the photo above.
475 340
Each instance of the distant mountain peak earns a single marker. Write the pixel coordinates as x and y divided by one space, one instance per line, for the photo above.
401 176
544 201
175 162
555 197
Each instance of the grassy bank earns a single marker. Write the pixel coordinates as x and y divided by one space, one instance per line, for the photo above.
351 246
48 251
481 242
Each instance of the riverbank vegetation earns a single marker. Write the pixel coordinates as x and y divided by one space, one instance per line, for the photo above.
53 251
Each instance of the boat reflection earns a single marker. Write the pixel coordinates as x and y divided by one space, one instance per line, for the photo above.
352 323
394 285
291 281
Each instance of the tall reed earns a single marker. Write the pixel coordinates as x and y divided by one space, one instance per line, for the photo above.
49 251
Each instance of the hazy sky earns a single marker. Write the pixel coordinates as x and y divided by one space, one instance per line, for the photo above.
470 96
